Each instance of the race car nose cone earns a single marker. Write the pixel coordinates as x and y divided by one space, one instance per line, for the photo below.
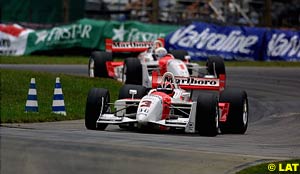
142 118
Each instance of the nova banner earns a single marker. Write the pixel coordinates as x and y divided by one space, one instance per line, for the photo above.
232 43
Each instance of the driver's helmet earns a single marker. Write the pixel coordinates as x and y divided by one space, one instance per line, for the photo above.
160 52
157 44
167 88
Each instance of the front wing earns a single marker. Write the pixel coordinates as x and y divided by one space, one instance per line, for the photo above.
186 123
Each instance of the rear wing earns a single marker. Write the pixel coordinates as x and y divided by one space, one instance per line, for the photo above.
194 83
132 46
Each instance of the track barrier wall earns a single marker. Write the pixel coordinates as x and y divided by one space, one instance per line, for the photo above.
235 42
199 39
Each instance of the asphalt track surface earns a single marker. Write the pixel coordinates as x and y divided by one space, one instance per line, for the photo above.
67 147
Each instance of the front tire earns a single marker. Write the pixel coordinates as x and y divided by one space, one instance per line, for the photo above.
97 101
207 115
179 54
215 66
124 91
133 71
237 119
97 64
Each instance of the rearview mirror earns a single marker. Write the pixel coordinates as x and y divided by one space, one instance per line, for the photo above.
132 92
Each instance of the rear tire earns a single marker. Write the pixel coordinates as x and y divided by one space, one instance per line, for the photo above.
93 108
237 119
215 66
207 115
97 64
133 71
179 54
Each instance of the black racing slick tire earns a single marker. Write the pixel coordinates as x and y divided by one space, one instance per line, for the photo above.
97 64
133 71
179 54
237 119
215 66
207 114
124 91
97 101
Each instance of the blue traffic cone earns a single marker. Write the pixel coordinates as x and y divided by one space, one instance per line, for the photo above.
31 102
58 104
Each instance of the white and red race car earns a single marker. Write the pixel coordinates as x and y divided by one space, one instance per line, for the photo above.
139 70
173 103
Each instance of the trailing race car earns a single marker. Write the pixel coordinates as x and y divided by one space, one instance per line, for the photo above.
172 103
152 57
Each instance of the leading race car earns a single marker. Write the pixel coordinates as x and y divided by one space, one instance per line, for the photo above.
172 103
152 57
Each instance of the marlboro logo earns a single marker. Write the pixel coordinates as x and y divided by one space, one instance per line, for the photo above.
132 44
194 81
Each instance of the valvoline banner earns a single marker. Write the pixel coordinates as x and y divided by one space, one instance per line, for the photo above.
232 43
282 45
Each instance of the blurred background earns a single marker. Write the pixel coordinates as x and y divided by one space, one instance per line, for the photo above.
38 14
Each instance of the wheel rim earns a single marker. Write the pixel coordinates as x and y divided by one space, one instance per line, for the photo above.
91 68
105 108
245 112
107 105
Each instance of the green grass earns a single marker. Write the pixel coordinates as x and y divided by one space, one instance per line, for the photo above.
43 60
15 84
263 168
84 60
14 90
